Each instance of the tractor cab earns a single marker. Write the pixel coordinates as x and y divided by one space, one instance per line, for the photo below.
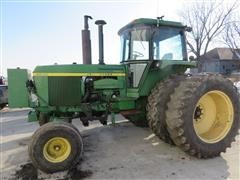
153 39
150 45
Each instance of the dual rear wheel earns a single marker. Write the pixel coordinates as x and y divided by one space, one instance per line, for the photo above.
200 114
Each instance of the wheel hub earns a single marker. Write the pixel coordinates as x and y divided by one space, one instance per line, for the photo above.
57 148
198 113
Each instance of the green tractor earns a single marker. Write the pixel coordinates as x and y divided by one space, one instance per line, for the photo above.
200 113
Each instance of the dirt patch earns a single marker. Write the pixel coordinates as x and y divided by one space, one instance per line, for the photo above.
27 172
75 174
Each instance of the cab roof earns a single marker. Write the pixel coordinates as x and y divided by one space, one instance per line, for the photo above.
150 22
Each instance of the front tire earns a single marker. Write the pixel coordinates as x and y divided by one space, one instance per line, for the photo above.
56 146
203 115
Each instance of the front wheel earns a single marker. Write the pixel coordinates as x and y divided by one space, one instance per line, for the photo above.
203 115
56 147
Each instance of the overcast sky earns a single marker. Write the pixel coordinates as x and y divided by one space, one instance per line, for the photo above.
35 32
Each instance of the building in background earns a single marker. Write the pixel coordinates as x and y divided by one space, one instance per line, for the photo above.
220 60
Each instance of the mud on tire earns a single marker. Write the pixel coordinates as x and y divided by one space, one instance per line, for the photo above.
157 106
203 115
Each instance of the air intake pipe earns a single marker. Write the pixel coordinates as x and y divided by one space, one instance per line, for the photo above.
100 24
86 42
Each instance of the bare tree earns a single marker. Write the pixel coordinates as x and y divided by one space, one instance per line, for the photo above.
231 37
207 19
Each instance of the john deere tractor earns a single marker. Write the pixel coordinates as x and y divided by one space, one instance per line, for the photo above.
200 113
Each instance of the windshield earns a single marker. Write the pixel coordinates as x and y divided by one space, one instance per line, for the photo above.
164 43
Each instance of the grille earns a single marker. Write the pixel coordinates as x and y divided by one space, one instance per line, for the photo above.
64 91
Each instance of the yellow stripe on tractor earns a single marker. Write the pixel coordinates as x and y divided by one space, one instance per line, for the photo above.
78 74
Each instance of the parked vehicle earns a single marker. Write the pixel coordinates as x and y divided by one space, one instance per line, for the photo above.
199 114
3 96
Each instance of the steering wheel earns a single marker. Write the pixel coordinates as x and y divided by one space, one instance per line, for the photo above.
137 54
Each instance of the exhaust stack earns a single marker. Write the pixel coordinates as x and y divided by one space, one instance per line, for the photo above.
86 42
100 24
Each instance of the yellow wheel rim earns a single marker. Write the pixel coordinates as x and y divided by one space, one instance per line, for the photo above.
213 116
57 149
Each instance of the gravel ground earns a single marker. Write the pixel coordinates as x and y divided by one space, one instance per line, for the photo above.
123 151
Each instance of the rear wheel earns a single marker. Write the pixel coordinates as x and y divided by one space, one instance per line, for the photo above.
203 115
157 106
56 147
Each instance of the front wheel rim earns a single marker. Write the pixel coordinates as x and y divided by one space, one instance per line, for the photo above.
57 149
213 116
